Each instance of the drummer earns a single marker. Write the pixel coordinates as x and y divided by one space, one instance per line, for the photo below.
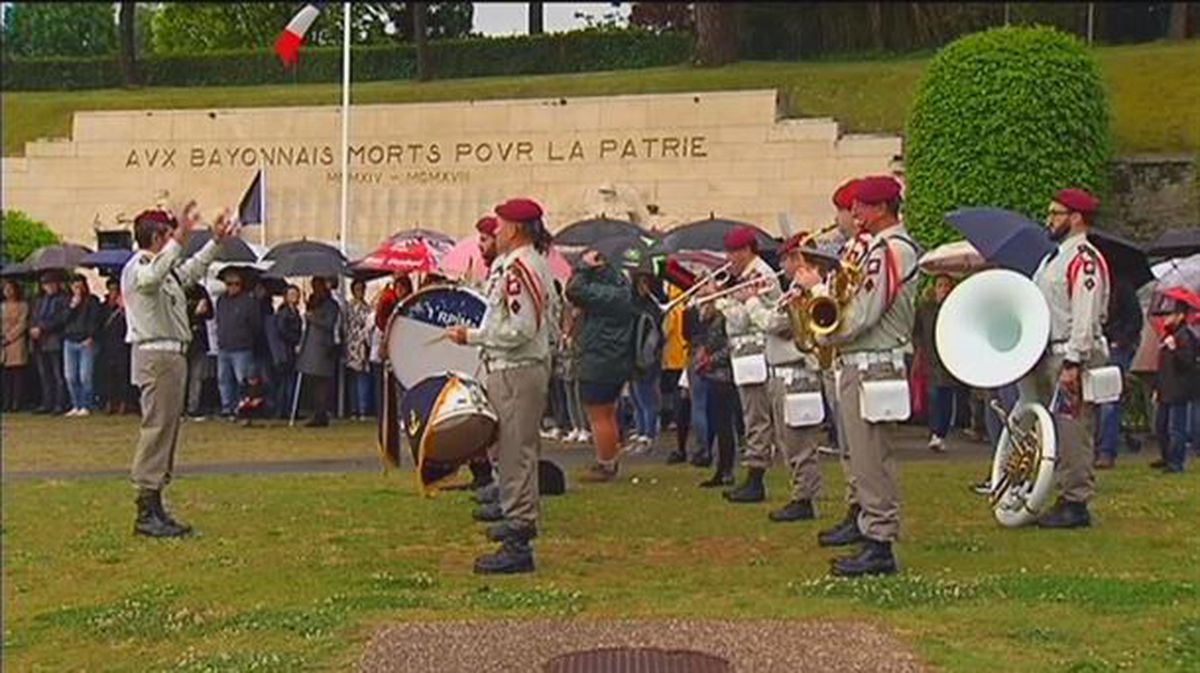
515 341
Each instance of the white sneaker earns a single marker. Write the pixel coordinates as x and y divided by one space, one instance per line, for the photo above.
72 413
585 437
828 450
572 437
936 444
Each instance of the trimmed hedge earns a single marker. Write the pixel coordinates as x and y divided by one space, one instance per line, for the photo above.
22 235
1004 118
581 51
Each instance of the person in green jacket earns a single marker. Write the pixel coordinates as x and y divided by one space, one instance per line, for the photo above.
605 299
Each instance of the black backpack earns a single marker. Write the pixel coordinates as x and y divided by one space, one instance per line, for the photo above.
647 343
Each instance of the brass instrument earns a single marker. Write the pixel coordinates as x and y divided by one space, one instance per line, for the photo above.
744 285
821 311
721 276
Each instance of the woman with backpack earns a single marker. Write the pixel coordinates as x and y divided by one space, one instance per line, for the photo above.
605 339
647 361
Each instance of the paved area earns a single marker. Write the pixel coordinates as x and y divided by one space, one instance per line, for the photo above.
750 646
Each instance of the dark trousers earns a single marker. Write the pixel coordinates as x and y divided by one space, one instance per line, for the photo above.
1177 433
722 398
669 394
322 394
12 385
683 415
53 380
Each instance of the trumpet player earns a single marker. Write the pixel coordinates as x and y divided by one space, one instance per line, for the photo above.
872 340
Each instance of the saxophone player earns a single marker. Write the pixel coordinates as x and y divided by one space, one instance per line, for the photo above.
872 340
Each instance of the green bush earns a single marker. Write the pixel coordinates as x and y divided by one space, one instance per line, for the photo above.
581 51
22 235
1004 118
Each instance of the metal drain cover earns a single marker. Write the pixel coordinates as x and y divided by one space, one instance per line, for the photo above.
637 660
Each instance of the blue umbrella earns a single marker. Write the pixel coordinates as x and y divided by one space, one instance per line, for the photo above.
112 258
1004 238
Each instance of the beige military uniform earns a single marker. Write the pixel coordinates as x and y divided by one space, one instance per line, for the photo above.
872 340
747 323
515 338
1074 280
157 327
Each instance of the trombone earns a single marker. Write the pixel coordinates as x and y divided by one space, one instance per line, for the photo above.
744 285
720 276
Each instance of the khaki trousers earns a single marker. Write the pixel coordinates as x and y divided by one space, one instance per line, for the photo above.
162 377
519 397
872 463
1074 473
766 433
829 379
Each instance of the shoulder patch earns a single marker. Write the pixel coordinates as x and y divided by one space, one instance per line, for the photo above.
873 266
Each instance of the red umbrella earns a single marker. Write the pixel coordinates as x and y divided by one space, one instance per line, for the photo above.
403 256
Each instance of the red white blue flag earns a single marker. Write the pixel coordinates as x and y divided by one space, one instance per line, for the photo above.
288 44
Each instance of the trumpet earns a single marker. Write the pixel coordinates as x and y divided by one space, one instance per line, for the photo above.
759 284
720 276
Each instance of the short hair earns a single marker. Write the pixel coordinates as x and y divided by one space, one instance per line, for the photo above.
112 282
360 282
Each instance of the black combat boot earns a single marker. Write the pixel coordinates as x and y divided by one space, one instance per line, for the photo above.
508 530
1066 515
166 516
875 558
488 494
512 557
149 522
845 533
796 510
676 457
489 513
481 474
751 490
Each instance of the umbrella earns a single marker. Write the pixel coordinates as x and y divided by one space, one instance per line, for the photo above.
112 258
1176 243
16 270
587 232
708 235
957 258
1125 258
1182 272
231 249
308 264
465 260
1004 238
403 256
441 243
64 256
624 251
1184 295
305 246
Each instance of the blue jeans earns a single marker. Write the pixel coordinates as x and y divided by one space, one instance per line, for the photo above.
942 402
1177 433
647 403
361 384
79 361
575 410
1108 423
698 390
233 368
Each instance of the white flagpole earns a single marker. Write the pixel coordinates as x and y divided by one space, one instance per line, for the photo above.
345 120
262 209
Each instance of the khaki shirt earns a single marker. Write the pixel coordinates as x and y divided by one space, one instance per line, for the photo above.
521 309
748 322
881 314
153 288
1074 280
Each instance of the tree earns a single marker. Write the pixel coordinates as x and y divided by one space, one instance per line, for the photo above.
716 33
23 235
980 131
126 17
37 29
536 23
662 17
1177 23
422 39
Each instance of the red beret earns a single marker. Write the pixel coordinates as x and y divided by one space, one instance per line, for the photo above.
740 237
487 225
793 243
877 189
843 198
155 215
1078 200
519 210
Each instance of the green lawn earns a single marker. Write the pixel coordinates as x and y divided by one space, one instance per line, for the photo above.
294 572
1155 93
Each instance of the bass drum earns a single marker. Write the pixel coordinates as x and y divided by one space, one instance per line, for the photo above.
448 422
416 343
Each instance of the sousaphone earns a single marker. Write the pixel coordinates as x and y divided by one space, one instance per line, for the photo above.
991 331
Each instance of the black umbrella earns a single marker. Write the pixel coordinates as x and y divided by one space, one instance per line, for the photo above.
302 246
112 258
1176 243
624 251
64 256
16 270
708 235
587 232
308 264
232 249
1004 238
1126 259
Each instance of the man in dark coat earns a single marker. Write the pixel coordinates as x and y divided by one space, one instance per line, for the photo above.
283 335
113 364
1124 333
47 323
318 351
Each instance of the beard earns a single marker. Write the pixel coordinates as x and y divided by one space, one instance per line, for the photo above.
1057 234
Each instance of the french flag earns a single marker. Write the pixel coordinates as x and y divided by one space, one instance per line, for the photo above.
288 44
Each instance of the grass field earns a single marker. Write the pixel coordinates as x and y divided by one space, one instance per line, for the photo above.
295 572
1155 92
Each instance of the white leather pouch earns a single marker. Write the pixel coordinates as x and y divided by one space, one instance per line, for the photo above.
749 370
884 400
1102 385
801 410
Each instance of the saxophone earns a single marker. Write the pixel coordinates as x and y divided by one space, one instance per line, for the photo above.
822 310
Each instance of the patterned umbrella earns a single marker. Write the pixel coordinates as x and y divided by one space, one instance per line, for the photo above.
439 242
403 256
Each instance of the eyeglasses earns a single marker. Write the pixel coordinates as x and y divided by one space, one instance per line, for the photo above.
1057 211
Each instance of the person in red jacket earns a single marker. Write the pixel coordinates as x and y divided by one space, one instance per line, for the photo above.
391 295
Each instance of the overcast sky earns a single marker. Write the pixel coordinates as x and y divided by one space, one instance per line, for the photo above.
511 18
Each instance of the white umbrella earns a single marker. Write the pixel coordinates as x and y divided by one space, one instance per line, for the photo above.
957 258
